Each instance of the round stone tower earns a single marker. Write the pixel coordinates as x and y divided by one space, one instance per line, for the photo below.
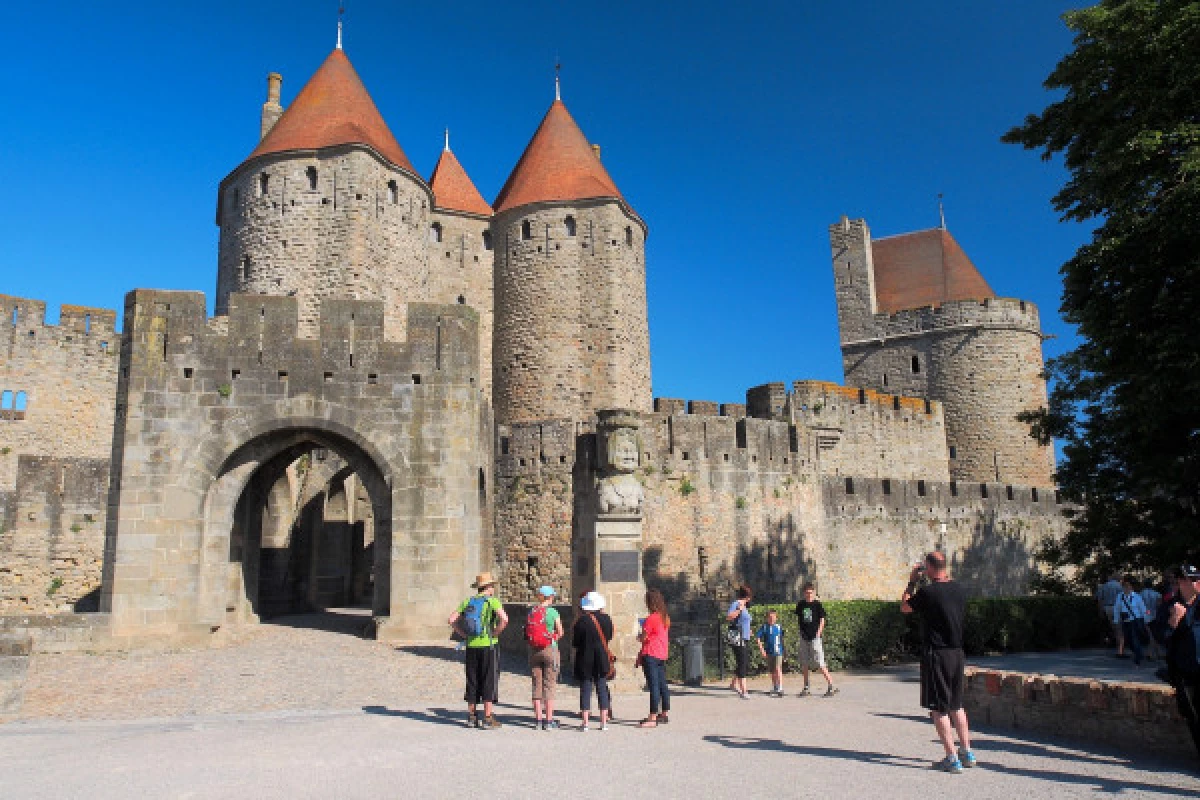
571 330
327 204
916 317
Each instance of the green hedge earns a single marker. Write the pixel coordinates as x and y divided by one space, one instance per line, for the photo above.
861 633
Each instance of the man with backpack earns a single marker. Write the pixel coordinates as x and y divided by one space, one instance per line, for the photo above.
479 620
1183 649
543 629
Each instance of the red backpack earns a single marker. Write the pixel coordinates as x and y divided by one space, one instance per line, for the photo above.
535 629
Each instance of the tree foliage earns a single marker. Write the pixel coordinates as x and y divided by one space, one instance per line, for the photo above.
1126 402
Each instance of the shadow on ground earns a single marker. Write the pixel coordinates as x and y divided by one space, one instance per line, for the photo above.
1106 785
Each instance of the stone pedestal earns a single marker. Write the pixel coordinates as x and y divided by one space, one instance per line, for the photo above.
617 574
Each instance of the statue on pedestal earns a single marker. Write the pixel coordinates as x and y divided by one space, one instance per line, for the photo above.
619 493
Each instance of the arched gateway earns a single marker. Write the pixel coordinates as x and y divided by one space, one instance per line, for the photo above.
220 425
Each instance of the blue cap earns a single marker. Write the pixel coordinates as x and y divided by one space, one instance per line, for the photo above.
547 591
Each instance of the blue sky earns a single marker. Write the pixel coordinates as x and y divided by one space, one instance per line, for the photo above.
738 131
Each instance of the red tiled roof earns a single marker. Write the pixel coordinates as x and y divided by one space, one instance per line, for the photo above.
333 108
558 164
453 189
926 268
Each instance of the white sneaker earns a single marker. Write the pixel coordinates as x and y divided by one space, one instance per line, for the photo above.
603 726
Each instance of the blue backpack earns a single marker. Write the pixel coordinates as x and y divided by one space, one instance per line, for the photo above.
472 616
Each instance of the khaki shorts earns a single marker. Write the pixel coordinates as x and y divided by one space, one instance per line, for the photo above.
544 666
774 663
812 654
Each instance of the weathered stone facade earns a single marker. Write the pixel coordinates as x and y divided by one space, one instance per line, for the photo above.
460 272
981 359
205 416
572 334
58 383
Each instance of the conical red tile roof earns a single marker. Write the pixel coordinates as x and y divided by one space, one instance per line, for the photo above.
453 189
333 108
558 164
925 268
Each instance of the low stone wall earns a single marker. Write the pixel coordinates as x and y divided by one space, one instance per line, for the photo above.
1133 717
58 633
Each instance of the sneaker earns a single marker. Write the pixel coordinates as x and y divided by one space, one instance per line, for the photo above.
967 758
583 728
949 764
662 719
804 692
744 695
472 720
551 725
603 726
490 723
831 691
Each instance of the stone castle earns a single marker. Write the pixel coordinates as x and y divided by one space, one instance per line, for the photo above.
402 386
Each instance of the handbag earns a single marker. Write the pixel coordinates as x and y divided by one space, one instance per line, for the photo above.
612 660
733 634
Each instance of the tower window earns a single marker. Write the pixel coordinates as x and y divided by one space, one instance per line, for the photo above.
526 231
394 194
6 400
235 199
462 300
487 240
569 223
311 172
953 452
916 365
435 232
245 268
19 404
849 485
885 379
628 236
264 181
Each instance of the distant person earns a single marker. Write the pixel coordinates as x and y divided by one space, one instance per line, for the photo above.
1106 599
770 645
653 657
593 660
1169 589
1151 598
479 620
1131 612
811 614
1183 649
543 629
941 605
738 636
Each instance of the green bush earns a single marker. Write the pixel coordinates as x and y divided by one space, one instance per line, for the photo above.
863 633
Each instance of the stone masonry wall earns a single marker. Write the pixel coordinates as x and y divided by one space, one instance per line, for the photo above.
68 374
732 499
1133 718
983 361
460 271
203 409
362 232
52 535
571 332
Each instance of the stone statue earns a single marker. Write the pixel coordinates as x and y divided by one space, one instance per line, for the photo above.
619 492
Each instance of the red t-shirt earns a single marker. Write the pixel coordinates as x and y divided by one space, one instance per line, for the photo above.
654 638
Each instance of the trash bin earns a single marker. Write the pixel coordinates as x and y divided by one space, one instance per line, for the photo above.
693 659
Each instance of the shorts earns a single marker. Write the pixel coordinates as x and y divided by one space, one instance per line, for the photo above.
543 665
943 680
741 655
812 653
483 675
774 663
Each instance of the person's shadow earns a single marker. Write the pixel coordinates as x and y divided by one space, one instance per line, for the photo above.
443 716
1100 784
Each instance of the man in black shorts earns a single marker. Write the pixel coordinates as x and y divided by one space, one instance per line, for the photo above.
941 604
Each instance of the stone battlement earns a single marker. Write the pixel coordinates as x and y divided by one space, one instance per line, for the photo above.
27 319
807 395
1004 313
703 408
248 349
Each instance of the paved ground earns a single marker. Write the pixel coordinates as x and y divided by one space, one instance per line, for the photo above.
306 712
1099 664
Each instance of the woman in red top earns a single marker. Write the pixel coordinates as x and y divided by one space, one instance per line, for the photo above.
653 657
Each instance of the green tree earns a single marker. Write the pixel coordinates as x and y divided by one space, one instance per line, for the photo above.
1126 402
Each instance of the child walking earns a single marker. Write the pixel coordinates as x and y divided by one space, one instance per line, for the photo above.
770 645
812 625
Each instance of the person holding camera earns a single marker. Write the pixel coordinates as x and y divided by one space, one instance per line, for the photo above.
941 605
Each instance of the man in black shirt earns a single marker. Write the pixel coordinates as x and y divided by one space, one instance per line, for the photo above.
1183 634
811 651
941 605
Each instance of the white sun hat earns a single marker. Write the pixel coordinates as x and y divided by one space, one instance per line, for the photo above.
592 601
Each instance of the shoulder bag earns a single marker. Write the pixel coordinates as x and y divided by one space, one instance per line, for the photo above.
612 660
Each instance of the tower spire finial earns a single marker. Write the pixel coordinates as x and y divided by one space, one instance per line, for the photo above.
341 12
446 148
557 85
941 213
